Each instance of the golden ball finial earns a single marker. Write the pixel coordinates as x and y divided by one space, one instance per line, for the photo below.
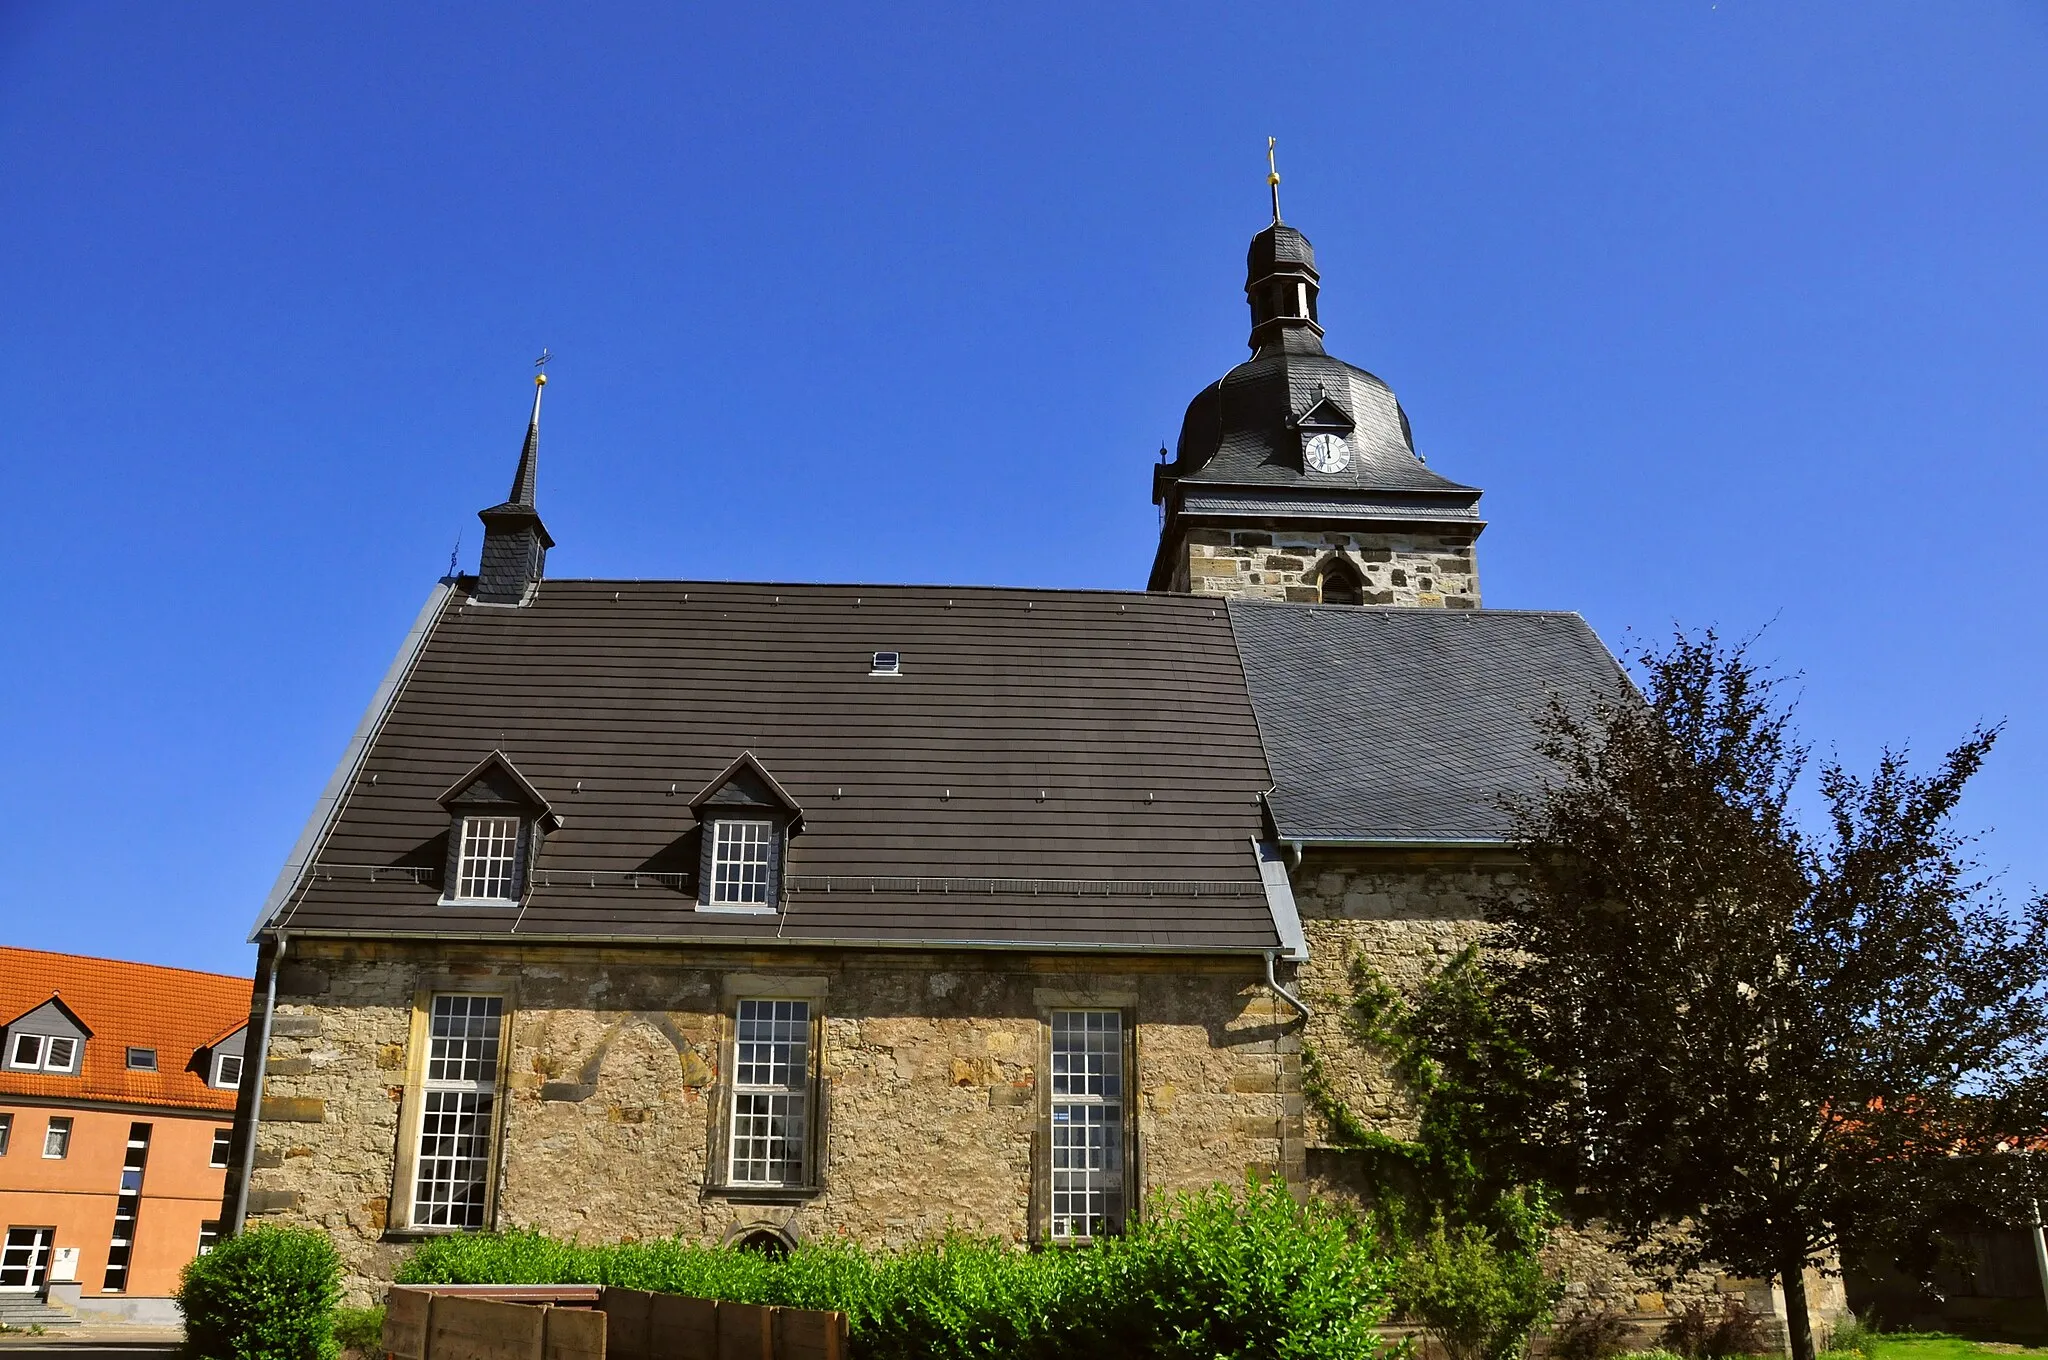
540 380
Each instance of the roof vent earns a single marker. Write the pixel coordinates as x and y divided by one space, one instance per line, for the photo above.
887 663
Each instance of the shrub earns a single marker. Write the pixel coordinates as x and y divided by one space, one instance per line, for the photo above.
1698 1333
359 1329
263 1294
1215 1275
1592 1333
1855 1335
1480 1297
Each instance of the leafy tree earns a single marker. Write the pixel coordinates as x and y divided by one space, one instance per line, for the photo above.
1780 1034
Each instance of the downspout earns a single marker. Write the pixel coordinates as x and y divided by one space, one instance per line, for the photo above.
256 1095
1301 1007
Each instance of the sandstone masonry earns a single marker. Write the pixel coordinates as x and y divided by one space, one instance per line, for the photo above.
1419 569
931 1074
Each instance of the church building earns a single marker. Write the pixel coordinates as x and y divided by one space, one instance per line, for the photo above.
771 912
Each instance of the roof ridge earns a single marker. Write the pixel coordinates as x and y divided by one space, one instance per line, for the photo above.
120 963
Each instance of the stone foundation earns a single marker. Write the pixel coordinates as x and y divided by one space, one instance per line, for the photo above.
1427 570
930 1077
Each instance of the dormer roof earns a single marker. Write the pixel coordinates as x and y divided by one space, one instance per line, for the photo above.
68 1020
746 783
495 781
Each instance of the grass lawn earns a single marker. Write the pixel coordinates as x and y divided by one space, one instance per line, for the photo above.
1932 1346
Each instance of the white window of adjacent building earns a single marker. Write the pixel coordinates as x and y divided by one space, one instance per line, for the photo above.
43 1053
227 1071
739 862
490 852
222 1139
57 1138
209 1235
1087 1123
6 1132
451 1176
770 1090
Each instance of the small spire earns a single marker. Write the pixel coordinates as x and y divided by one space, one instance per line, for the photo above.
524 481
1273 178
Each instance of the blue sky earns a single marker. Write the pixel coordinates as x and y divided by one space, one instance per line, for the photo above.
1738 311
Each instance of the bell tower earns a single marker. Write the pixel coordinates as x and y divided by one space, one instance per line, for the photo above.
1296 476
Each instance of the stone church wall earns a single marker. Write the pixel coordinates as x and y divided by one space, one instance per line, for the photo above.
1429 570
930 1068
1408 913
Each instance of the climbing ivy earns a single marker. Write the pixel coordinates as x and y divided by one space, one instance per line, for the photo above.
1459 1199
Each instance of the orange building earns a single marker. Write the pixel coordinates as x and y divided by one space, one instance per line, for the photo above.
117 1091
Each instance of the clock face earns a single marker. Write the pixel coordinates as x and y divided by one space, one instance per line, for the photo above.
1327 452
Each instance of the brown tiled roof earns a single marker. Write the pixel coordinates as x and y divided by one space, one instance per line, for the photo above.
172 1010
1051 768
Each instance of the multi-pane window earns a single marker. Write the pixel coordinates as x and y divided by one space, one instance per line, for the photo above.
57 1138
222 1140
490 852
1087 1123
209 1235
227 1071
6 1132
127 1208
770 1086
457 1099
43 1052
739 862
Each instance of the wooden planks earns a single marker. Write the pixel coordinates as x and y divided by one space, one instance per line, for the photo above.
440 1323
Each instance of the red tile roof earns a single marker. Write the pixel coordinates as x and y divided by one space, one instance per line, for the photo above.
172 1010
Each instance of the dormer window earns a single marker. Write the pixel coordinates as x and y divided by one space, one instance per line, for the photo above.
49 1038
43 1053
739 862
746 819
496 818
490 853
227 1071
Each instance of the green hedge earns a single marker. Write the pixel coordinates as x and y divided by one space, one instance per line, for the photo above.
1216 1275
264 1294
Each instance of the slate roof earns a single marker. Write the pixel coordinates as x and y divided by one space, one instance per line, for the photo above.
1238 431
1051 768
175 1011
1390 723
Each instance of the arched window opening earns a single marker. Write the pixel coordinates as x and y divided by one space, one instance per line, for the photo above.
1342 584
766 1241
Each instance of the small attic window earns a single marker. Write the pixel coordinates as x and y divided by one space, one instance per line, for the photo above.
887 663
142 1060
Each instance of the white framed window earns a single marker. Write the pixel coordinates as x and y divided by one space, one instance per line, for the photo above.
458 1097
739 862
1087 1123
57 1138
771 1076
222 1140
490 853
209 1235
6 1131
227 1071
142 1060
43 1053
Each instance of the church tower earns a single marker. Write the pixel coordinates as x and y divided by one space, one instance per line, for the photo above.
1296 477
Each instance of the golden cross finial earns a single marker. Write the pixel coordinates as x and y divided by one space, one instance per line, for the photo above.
541 379
1273 177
